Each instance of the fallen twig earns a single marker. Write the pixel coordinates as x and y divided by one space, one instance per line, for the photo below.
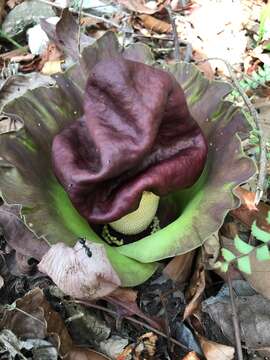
79 27
263 158
175 35
235 320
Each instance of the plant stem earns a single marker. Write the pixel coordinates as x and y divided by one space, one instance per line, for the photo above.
8 38
235 319
175 35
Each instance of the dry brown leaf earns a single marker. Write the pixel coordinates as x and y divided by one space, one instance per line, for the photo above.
126 299
247 213
84 354
153 24
145 348
2 10
247 198
205 67
215 351
37 320
12 3
195 290
191 356
83 272
178 269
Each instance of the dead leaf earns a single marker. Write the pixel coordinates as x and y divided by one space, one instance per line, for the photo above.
153 24
191 356
84 354
253 312
195 290
13 53
247 198
12 3
37 319
144 348
17 85
247 213
52 67
215 351
205 66
18 235
126 299
2 10
83 272
211 249
52 53
178 269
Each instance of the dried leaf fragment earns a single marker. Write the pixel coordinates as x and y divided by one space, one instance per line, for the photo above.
82 272
153 24
214 351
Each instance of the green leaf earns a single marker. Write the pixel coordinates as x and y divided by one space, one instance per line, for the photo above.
268 217
260 234
224 266
227 254
242 246
243 264
262 253
264 19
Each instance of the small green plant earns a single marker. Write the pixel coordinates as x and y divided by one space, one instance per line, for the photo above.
242 261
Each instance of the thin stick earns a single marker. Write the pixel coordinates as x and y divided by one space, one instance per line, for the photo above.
73 11
135 321
80 27
235 320
175 35
254 114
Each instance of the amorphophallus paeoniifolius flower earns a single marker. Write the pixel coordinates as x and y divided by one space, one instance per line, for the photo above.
136 136
51 113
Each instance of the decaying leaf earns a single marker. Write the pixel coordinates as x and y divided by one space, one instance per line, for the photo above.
18 235
16 86
191 356
248 212
153 24
126 300
83 272
33 317
84 354
14 348
253 328
215 351
178 269
145 346
195 290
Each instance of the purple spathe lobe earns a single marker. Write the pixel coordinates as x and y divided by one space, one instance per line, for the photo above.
136 135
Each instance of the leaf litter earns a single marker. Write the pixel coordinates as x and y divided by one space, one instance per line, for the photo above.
175 310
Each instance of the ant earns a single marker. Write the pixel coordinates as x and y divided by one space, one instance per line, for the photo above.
82 241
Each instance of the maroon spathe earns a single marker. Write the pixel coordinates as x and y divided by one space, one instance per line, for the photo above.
136 135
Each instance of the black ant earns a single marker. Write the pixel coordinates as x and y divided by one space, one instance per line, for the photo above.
82 241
